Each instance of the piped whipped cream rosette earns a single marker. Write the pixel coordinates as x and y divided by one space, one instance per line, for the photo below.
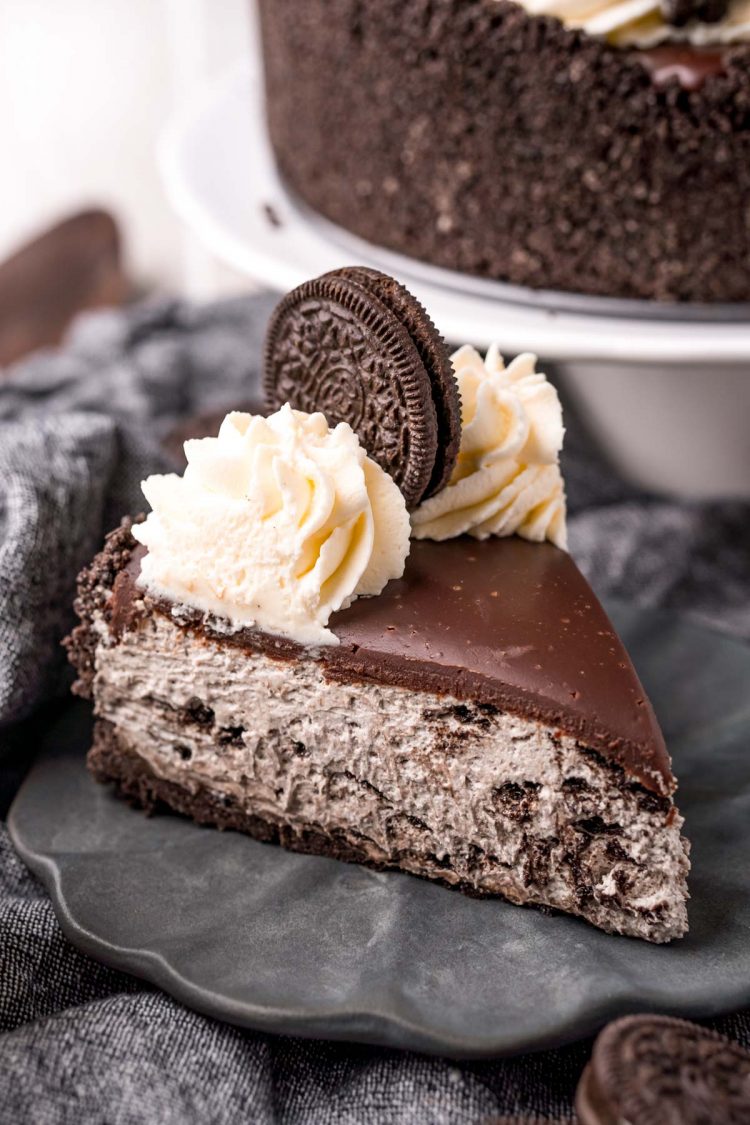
276 523
507 478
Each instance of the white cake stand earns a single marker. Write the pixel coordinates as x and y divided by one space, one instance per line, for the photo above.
668 390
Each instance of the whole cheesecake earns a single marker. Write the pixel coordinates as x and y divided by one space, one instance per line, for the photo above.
593 147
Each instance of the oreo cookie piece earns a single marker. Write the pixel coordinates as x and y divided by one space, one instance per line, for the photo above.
660 1071
681 12
357 346
436 359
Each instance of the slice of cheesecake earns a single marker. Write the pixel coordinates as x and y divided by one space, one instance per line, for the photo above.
351 627
479 722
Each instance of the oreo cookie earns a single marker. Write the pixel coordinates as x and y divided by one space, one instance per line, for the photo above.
356 345
436 359
661 1071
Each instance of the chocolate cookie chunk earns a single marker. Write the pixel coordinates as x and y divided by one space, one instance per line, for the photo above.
357 346
679 12
661 1071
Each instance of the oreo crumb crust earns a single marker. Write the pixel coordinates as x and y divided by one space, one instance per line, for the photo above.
481 139
95 583
332 345
654 1069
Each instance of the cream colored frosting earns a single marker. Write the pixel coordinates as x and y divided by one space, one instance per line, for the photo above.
507 477
277 522
639 23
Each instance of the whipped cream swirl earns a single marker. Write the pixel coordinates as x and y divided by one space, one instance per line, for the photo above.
641 23
507 477
277 523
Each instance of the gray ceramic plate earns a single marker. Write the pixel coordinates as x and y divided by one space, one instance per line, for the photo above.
257 936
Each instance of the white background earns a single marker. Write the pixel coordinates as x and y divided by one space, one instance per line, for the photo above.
85 89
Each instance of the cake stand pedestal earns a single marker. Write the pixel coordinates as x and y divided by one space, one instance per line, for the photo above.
667 388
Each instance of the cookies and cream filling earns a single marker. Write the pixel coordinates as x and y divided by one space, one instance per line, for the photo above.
649 23
278 522
507 478
474 796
